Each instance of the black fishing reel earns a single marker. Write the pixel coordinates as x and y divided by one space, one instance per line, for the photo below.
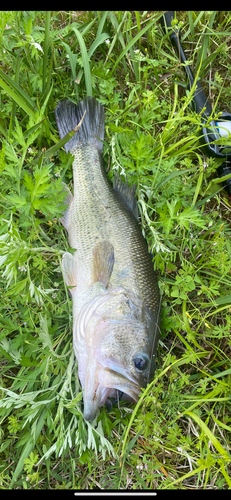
222 170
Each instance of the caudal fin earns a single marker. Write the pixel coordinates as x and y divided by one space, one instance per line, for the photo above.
68 115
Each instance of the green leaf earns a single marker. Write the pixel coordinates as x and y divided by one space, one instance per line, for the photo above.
17 288
28 448
25 361
190 216
30 462
18 134
44 333
16 200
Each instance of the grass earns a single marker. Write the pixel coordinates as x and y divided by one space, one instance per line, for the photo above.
178 434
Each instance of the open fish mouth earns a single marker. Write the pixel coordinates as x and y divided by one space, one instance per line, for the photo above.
116 381
107 384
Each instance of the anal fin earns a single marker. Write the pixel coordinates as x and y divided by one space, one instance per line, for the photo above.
103 262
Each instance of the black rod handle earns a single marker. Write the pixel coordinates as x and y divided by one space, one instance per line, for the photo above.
199 98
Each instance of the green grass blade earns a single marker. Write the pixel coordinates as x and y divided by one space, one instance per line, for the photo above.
191 25
195 23
134 40
227 427
227 478
118 33
24 96
14 103
25 453
87 27
210 435
46 46
133 61
3 132
33 129
83 31
138 25
171 176
86 66
101 24
58 145
203 52
73 62
207 198
189 474
21 103
72 59
42 111
100 39
49 84
225 299
199 182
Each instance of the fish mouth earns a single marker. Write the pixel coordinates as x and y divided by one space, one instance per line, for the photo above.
102 383
114 380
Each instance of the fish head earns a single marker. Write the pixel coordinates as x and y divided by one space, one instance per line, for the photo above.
115 336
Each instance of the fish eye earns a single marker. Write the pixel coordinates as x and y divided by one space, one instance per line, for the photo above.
141 361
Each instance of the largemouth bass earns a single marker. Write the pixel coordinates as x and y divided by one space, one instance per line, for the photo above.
113 284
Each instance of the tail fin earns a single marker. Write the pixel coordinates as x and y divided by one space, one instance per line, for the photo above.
68 115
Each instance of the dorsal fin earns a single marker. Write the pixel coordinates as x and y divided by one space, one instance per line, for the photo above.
126 194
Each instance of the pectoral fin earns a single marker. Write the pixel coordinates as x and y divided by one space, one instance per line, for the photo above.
103 262
69 270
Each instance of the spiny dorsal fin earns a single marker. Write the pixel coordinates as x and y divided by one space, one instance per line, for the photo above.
126 194
103 262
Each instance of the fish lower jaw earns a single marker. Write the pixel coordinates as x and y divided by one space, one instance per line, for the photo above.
108 392
91 407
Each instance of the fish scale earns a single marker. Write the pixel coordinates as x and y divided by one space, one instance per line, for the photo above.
113 284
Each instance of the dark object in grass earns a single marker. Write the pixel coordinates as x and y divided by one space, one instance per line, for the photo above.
215 130
225 169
